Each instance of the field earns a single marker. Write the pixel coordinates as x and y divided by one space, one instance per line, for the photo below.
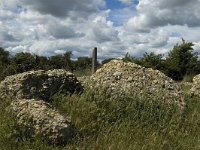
121 124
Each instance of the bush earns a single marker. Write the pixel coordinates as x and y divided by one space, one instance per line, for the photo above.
181 61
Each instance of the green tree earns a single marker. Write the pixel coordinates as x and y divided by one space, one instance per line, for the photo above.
181 60
42 63
56 62
24 61
4 57
106 60
152 60
61 61
83 63
67 61
4 63
128 58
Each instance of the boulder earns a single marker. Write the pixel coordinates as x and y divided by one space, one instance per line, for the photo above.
40 84
39 118
122 79
195 90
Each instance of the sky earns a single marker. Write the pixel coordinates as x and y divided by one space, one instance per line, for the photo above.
115 27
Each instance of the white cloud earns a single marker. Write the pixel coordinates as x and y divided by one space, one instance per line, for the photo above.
121 16
101 29
197 47
63 8
79 26
152 14
62 31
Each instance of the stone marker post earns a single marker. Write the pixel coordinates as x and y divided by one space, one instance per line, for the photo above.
94 60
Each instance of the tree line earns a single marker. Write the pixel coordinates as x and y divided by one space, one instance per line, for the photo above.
25 61
181 62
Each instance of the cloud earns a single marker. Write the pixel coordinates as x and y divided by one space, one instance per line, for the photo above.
101 29
153 14
63 8
79 26
158 38
121 16
61 31
5 35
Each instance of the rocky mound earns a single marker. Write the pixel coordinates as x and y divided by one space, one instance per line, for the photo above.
29 91
195 90
40 84
39 118
118 79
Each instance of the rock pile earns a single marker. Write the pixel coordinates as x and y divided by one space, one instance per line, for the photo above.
40 84
39 118
117 79
195 90
30 90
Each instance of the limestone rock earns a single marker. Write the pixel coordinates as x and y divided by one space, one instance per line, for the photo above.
195 90
117 79
85 81
41 119
40 84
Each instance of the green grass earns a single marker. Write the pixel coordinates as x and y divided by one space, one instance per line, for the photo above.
83 72
121 124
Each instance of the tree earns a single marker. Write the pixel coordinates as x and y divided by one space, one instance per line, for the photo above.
83 63
24 61
181 60
151 60
106 60
56 62
42 63
61 61
67 60
4 56
128 58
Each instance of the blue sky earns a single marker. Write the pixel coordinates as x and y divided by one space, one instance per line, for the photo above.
49 27
115 4
120 12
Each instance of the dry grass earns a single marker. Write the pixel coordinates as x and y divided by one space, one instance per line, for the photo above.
128 123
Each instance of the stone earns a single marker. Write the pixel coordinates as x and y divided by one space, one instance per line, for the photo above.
29 93
39 118
121 79
40 84
195 90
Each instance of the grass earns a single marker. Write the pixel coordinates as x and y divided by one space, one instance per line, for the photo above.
121 124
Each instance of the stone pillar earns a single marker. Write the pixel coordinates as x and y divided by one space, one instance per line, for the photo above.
94 60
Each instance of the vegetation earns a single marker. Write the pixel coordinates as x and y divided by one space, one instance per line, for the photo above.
22 62
126 123
151 60
180 63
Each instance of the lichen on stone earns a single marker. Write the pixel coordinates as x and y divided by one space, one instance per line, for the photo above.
41 119
119 79
195 90
29 93
40 84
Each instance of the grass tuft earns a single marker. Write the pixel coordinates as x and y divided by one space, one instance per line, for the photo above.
124 123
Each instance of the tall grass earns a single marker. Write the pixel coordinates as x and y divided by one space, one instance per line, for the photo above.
121 124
